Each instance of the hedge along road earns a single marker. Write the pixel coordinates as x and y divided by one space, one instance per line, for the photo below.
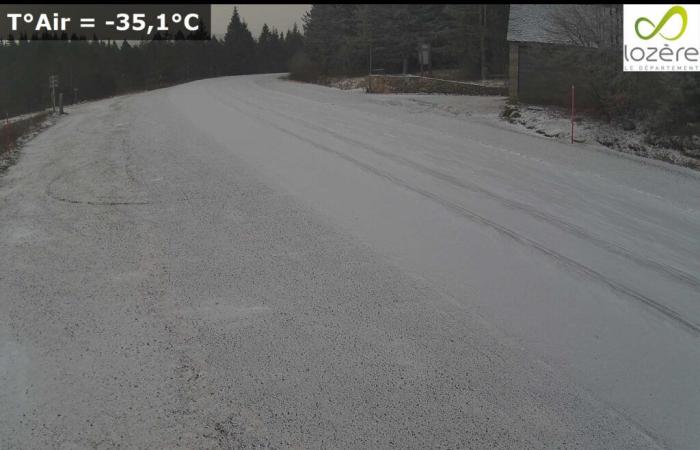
247 261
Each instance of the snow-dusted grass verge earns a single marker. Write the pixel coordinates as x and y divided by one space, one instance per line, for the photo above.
345 83
15 133
547 122
415 84
624 136
342 83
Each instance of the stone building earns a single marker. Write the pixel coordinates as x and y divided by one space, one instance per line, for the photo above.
551 48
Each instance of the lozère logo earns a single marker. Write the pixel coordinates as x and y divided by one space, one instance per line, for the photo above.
661 38
672 11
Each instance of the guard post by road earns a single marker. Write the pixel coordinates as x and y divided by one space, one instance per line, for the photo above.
53 84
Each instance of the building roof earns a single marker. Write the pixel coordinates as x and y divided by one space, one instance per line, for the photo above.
533 23
538 22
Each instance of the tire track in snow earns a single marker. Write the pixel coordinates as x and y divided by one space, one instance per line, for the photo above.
576 266
668 271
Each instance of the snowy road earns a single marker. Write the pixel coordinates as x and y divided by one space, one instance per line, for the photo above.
247 261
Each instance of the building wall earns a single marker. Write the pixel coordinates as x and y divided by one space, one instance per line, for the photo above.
544 74
513 72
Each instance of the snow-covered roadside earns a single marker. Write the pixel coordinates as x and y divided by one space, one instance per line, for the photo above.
624 136
9 157
548 122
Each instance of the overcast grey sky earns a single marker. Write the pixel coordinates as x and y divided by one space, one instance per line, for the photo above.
281 17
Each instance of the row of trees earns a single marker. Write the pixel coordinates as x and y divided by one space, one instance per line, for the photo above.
340 38
100 69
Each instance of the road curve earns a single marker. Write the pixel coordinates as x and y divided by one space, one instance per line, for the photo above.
248 262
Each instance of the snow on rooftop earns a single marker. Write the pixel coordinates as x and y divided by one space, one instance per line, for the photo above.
533 23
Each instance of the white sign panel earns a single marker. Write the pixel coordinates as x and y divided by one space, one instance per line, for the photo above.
661 38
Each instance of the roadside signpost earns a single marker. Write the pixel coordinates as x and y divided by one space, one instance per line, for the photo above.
53 84
424 56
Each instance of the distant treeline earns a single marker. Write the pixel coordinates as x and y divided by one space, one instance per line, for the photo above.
340 37
99 69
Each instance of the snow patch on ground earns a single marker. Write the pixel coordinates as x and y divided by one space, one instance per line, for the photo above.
345 83
624 136
449 105
8 158
552 123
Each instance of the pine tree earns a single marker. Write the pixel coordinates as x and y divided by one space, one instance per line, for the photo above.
239 47
329 34
293 42
103 68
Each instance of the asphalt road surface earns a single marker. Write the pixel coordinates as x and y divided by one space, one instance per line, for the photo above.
248 262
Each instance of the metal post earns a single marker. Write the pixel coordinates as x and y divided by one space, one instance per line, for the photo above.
482 40
6 133
369 77
573 111
52 84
